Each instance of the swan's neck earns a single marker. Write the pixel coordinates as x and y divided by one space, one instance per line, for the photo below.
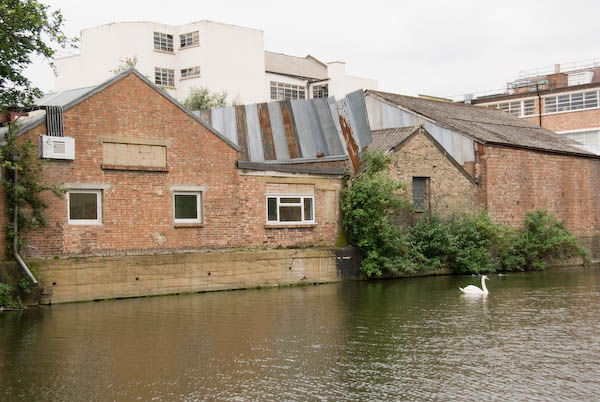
483 286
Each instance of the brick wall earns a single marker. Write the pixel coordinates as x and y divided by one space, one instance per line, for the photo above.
569 120
137 204
450 190
516 181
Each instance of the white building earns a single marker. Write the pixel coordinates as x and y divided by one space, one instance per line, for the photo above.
220 57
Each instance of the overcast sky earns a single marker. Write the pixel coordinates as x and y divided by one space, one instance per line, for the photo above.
414 47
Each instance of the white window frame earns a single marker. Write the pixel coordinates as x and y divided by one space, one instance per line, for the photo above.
570 95
199 211
301 205
163 42
286 91
183 39
190 72
161 72
98 220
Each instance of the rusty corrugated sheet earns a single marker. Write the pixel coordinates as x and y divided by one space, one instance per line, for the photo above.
255 148
328 128
289 126
358 109
265 131
279 140
351 146
240 118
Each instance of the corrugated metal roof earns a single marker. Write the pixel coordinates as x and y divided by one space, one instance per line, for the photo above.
307 67
485 125
303 129
62 98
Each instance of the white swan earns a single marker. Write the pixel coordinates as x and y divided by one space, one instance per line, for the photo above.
474 290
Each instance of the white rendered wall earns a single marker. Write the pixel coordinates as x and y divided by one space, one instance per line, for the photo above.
231 58
341 84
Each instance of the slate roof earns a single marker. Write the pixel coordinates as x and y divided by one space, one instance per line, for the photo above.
386 139
68 99
486 125
306 67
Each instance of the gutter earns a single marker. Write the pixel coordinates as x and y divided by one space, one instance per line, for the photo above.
15 240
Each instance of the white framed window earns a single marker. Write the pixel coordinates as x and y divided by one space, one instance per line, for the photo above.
189 39
518 108
190 72
187 206
163 42
164 76
285 209
588 137
84 207
282 91
571 102
320 91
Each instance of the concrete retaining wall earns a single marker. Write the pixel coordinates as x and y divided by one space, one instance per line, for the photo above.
92 278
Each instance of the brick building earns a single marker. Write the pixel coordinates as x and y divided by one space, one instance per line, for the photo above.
562 98
143 174
467 158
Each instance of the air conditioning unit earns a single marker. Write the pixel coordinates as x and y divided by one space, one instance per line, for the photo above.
57 147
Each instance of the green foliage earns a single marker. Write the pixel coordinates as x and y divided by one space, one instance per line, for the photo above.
6 297
22 160
126 64
200 99
465 244
541 240
368 206
27 27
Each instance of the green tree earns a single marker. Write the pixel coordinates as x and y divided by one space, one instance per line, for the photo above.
369 204
27 28
126 64
200 98
22 159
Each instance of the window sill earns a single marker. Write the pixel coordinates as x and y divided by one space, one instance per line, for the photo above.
188 47
290 225
164 51
189 78
136 168
188 225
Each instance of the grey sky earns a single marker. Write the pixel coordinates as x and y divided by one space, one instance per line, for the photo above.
437 48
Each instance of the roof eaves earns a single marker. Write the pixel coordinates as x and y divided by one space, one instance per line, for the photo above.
550 151
265 167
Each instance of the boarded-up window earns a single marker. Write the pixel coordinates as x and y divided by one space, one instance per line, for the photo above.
136 156
420 189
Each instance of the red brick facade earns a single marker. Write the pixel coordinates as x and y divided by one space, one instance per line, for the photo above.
138 204
514 181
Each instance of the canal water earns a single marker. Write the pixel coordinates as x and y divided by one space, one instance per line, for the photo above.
536 336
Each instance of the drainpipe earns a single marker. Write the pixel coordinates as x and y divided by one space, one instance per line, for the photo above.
537 90
15 239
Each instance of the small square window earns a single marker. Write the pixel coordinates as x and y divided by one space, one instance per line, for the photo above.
84 207
187 207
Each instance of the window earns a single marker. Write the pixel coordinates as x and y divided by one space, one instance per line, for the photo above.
189 39
282 91
163 42
571 102
84 207
164 76
420 190
516 108
187 207
290 209
320 91
590 139
190 72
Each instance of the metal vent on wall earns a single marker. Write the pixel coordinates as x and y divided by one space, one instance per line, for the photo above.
58 147
54 121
